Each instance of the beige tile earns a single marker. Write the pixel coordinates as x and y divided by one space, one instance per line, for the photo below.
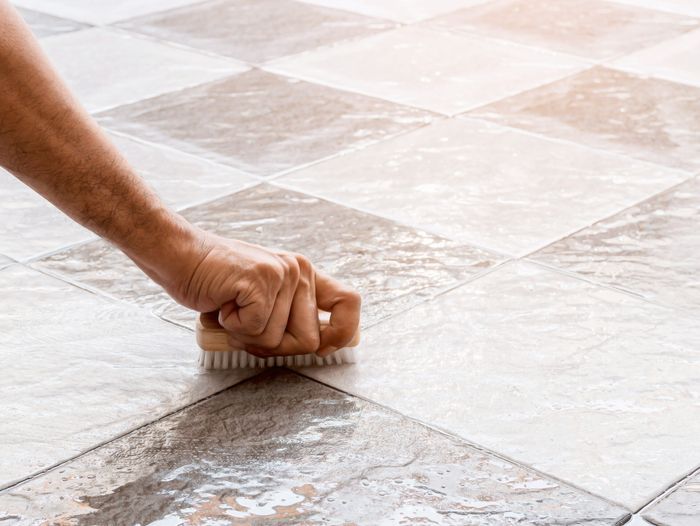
78 370
675 59
594 29
393 266
43 25
438 71
107 68
651 119
680 508
234 27
584 383
263 123
406 11
484 184
682 7
650 249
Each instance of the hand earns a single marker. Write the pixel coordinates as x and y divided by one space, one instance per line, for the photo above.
268 300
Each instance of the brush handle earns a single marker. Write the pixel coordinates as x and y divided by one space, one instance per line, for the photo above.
211 336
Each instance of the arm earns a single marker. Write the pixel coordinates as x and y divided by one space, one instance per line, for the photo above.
268 300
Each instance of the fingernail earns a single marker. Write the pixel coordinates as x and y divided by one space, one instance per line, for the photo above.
326 351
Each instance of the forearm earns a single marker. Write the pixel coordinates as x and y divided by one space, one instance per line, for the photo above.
49 142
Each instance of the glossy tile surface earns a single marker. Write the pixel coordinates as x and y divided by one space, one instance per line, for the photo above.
492 186
684 7
585 383
107 68
393 266
232 28
263 123
43 25
680 508
650 249
646 118
438 71
4 261
406 11
78 370
594 29
675 59
281 449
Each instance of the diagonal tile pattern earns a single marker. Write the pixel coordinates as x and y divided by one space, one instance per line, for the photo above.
582 382
78 370
441 72
646 118
43 25
406 11
280 449
679 508
231 28
263 123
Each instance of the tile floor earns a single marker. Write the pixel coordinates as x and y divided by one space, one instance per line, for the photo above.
514 188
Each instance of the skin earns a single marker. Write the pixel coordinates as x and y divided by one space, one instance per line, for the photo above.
268 300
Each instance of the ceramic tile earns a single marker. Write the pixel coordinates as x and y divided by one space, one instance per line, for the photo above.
420 67
233 28
637 521
675 59
647 118
680 508
280 449
393 266
4 261
30 224
106 68
593 29
263 123
405 11
78 370
650 249
582 382
484 184
101 11
43 25
683 7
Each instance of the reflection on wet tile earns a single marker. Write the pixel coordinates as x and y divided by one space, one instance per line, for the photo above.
263 123
405 11
484 184
102 13
30 224
650 249
680 508
280 449
393 266
106 68
43 25
683 7
233 28
78 370
442 72
582 382
675 59
590 28
650 119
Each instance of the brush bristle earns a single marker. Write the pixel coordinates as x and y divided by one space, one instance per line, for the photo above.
241 359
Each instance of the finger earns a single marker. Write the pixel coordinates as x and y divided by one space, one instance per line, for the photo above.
344 304
250 311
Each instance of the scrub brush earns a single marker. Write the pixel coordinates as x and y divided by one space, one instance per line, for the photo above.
217 354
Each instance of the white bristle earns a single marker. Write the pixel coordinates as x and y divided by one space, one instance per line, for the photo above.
241 359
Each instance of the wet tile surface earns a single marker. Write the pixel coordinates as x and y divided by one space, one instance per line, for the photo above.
485 184
4 261
650 249
406 11
232 28
280 449
585 383
43 25
441 72
674 59
78 370
129 68
680 508
651 119
393 266
593 29
263 123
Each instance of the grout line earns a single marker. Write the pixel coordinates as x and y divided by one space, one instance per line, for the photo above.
671 488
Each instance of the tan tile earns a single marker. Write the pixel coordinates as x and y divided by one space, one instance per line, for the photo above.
683 7
406 11
43 25
438 71
234 27
594 29
650 249
393 266
680 508
107 68
263 123
584 383
484 184
650 119
675 59
78 370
